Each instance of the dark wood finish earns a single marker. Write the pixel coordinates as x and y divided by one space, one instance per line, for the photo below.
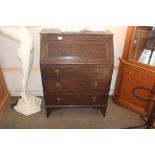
76 99
76 86
76 69
4 93
61 49
71 54
133 73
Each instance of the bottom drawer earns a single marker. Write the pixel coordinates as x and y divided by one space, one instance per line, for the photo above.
76 99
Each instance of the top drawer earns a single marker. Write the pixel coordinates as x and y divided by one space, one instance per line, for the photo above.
76 71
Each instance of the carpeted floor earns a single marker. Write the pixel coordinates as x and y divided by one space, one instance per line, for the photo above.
71 118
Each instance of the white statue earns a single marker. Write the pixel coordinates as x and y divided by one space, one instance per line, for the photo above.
26 105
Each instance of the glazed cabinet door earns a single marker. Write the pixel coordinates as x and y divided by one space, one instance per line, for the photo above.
143 46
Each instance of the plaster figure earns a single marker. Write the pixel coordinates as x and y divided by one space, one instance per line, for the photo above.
27 104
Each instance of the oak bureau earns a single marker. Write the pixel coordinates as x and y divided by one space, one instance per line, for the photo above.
76 68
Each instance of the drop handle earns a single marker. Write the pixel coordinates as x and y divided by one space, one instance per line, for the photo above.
95 85
57 85
94 99
58 99
57 72
97 70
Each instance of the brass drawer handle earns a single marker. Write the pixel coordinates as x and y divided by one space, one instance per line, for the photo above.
57 72
94 99
97 70
58 99
95 85
58 85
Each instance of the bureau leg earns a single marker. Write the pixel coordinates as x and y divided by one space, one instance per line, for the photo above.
48 112
103 110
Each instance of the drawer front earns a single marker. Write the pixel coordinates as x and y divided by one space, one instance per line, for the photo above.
76 86
76 71
76 99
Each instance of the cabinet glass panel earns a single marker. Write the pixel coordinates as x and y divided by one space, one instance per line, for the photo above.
143 49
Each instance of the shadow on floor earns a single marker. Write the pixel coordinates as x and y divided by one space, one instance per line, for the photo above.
71 118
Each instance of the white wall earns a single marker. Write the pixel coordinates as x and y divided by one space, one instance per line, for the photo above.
11 64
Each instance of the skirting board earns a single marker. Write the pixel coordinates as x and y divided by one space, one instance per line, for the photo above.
31 92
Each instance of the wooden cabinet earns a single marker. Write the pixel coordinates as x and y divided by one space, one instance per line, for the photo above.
137 68
4 94
76 69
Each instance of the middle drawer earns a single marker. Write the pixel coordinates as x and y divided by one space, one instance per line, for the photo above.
76 86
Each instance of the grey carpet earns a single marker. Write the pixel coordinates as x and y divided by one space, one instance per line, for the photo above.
71 118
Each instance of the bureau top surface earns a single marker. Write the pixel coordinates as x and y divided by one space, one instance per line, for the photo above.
83 32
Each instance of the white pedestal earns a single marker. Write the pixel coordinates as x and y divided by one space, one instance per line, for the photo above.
32 106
